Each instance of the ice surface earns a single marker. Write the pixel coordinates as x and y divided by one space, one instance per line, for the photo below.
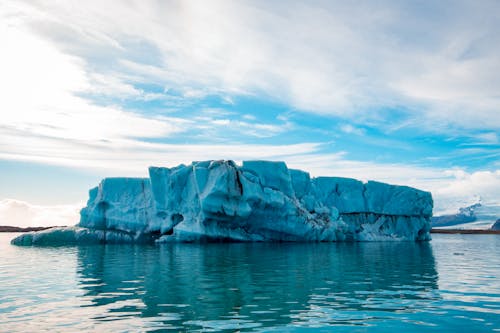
258 201
119 204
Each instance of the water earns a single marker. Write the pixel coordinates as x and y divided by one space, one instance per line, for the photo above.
450 284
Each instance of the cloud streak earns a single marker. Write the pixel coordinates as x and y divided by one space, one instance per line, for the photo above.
132 156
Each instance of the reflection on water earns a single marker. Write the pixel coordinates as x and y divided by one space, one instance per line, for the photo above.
251 285
450 284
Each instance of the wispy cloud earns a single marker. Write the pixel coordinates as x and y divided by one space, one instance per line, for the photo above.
350 129
483 139
132 156
312 56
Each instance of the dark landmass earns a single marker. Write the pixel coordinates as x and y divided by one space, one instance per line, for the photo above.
466 231
7 228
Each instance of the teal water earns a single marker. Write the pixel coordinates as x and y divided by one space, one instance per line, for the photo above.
451 284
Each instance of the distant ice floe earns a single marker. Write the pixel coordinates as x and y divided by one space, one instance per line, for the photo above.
257 201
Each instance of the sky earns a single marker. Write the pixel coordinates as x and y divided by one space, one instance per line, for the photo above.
405 92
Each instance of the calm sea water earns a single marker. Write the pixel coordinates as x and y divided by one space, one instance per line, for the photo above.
451 284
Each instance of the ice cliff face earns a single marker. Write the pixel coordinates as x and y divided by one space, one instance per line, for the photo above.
258 201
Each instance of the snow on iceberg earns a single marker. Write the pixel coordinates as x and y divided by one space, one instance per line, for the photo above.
258 201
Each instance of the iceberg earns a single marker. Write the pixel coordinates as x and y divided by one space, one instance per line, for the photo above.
258 201
496 225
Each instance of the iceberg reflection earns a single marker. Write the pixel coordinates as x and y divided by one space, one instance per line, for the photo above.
257 284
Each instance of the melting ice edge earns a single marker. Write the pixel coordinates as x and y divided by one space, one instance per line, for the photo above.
258 201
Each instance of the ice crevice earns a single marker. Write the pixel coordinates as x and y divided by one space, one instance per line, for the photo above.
257 201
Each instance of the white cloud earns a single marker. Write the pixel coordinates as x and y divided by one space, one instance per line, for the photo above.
350 129
23 214
463 188
313 56
42 120
43 117
39 84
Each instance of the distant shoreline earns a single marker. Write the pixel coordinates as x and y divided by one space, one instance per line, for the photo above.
7 228
465 231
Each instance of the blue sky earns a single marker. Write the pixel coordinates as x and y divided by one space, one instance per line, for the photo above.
402 92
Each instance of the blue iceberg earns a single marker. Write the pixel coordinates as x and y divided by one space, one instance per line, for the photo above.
257 201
